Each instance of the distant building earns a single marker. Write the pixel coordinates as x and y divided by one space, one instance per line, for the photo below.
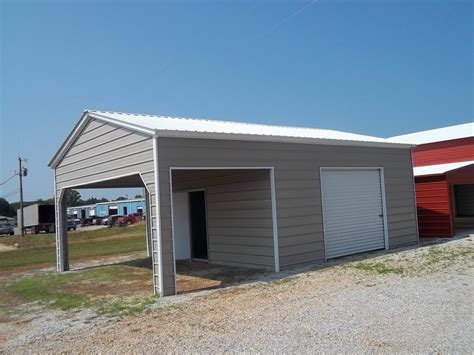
103 209
10 220
443 166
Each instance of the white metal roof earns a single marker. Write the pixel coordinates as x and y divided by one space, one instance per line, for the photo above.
440 168
165 125
180 127
437 135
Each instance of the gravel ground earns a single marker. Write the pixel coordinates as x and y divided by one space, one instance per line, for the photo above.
337 308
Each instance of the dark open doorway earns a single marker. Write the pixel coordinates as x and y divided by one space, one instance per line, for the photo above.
198 227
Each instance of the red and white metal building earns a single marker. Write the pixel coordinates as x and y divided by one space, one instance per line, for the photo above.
443 165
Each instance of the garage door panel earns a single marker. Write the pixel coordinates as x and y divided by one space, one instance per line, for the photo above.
352 211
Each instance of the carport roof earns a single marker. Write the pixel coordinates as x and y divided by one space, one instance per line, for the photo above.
464 130
180 127
440 168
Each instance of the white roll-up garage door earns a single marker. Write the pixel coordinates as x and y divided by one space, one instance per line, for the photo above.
352 211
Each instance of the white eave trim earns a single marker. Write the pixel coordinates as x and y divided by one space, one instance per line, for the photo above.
440 168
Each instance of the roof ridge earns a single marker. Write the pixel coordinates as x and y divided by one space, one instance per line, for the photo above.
227 121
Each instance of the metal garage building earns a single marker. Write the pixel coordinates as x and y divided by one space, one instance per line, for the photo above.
242 194
444 177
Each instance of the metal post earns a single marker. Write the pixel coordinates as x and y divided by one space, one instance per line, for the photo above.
20 174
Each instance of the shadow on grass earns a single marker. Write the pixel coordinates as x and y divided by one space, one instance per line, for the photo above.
200 276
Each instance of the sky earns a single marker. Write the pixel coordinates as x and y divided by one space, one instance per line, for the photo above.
379 68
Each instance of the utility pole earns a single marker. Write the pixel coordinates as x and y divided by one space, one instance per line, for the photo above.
20 174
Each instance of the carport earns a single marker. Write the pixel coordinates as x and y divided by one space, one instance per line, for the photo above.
242 194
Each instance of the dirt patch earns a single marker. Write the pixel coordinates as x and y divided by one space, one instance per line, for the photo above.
4 247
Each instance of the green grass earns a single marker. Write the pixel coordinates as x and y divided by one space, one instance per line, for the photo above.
113 290
82 245
124 306
379 268
286 280
87 288
435 258
48 239
439 255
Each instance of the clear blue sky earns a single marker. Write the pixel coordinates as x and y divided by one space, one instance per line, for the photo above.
375 67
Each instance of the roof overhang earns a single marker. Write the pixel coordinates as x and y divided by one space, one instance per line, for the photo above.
440 169
88 115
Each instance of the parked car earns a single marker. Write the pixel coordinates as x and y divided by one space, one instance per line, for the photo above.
97 221
129 219
138 215
71 225
6 228
105 220
114 220
86 222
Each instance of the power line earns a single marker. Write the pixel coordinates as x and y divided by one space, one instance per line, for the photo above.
7 180
11 193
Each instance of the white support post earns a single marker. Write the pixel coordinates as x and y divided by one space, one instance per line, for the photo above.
157 255
148 223
62 247
276 248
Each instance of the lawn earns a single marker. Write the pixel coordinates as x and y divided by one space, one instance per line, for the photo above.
40 249
118 289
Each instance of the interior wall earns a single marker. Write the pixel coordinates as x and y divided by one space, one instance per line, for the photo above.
239 214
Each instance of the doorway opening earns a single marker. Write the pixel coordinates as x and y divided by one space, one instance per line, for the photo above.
198 225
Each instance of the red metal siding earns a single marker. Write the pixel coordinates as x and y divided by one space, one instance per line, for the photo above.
433 200
452 151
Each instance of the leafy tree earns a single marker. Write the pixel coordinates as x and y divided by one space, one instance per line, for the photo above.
138 196
73 198
6 209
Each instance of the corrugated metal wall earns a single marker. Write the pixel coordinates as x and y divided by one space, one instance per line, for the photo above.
433 198
452 151
298 191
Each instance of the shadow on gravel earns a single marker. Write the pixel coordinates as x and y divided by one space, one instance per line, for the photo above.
194 276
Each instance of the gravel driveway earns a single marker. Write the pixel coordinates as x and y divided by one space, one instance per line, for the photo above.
415 300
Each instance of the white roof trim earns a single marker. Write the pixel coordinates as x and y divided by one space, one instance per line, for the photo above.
440 168
437 135
115 202
179 127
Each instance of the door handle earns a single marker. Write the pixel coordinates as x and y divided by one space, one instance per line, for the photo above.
381 215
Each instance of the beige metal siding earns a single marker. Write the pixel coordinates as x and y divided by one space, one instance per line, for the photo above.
298 192
239 214
103 152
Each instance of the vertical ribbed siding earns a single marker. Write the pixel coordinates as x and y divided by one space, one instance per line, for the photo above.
433 199
451 151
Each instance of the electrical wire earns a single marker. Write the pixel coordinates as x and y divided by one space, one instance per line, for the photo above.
7 180
11 193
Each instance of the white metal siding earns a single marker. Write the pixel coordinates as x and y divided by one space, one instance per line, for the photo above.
352 211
